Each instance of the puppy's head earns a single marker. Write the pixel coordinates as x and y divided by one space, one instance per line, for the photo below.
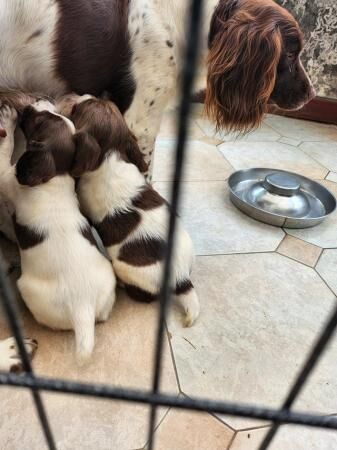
50 145
101 130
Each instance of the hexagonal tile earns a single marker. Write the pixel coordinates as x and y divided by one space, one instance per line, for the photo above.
288 438
242 155
263 133
122 357
203 162
326 267
323 152
301 129
260 314
323 235
184 430
216 226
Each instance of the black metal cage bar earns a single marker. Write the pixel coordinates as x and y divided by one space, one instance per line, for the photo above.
154 398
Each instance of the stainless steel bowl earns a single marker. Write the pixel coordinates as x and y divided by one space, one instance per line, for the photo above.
280 198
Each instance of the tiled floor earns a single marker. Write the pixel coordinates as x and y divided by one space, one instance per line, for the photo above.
265 292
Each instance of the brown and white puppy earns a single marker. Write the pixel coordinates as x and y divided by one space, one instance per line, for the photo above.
66 282
129 215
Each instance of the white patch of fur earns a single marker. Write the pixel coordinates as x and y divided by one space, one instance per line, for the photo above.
9 354
27 63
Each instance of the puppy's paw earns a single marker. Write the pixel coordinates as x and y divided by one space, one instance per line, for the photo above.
8 120
10 360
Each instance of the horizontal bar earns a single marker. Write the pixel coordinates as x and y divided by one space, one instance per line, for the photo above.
194 404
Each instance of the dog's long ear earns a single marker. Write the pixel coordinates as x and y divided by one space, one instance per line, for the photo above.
35 167
245 50
87 154
134 154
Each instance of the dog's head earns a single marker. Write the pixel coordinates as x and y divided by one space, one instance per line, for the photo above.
101 129
254 59
50 145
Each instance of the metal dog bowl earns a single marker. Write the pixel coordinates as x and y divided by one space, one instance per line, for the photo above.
280 198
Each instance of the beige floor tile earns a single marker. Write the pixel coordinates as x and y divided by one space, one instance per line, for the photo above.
263 133
300 250
332 176
324 235
288 438
122 357
259 316
78 423
182 430
203 162
301 129
274 156
327 268
168 128
323 152
218 227
290 141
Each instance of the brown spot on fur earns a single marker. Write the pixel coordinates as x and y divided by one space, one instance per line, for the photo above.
148 199
104 62
87 233
140 295
115 228
27 237
34 35
143 252
183 287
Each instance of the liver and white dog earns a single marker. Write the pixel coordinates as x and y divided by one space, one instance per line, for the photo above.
129 215
134 50
66 282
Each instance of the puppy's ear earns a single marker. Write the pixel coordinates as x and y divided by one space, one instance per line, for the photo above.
87 154
134 154
35 167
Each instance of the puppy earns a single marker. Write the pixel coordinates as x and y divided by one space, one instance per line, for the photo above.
129 215
66 282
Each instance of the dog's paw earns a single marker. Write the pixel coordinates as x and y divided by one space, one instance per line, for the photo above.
8 119
10 360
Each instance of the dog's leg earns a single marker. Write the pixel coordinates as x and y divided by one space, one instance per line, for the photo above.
154 70
10 360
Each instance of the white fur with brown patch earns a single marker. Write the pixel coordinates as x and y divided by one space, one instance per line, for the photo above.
66 282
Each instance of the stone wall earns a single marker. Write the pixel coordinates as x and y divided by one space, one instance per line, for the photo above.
318 20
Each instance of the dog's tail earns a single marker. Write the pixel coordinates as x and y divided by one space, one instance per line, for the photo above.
84 326
187 297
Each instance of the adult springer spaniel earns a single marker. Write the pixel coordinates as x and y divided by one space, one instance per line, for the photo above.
133 50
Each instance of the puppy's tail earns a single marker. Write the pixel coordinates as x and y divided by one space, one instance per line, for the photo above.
84 326
187 297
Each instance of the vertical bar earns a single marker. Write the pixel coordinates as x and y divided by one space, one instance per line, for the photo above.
315 354
11 310
184 110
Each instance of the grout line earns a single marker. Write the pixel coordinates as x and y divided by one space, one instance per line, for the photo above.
326 284
231 441
319 258
244 430
315 160
218 419
236 253
173 359
284 237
